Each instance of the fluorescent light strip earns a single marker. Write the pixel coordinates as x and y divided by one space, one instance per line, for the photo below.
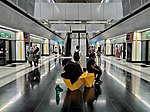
9 28
36 36
119 36
143 30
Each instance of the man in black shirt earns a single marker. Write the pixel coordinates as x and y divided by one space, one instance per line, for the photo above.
93 68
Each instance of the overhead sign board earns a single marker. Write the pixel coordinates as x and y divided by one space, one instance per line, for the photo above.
82 35
5 35
61 43
56 39
74 35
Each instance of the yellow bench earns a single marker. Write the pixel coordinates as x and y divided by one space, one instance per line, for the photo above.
74 86
86 78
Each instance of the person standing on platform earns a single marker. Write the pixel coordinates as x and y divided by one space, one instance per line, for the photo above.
77 54
99 55
36 55
30 56
90 50
117 52
59 50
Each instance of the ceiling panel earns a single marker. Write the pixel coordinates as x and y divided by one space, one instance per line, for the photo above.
59 12
83 9
137 22
97 11
72 11
13 19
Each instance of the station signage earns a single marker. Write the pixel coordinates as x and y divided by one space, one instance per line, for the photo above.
5 35
148 35
61 43
97 39
113 41
74 36
82 35
52 42
31 39
124 39
56 39
92 43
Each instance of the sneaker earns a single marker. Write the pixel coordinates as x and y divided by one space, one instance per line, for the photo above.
98 82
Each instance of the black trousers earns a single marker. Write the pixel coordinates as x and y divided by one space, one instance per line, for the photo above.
30 62
97 74
36 61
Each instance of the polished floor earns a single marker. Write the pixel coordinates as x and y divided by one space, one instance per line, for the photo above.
121 91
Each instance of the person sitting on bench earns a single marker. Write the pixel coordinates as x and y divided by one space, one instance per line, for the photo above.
72 70
93 68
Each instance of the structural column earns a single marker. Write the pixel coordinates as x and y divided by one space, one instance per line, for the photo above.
108 47
136 47
46 48
20 46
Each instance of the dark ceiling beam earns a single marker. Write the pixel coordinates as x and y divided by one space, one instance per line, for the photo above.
22 12
146 6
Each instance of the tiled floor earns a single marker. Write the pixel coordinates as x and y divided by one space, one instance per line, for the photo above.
121 91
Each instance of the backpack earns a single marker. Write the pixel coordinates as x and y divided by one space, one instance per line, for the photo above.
76 56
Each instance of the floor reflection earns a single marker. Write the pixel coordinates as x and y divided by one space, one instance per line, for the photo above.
91 95
74 101
132 82
34 77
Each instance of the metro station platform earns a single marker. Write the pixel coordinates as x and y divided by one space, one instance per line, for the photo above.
125 88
